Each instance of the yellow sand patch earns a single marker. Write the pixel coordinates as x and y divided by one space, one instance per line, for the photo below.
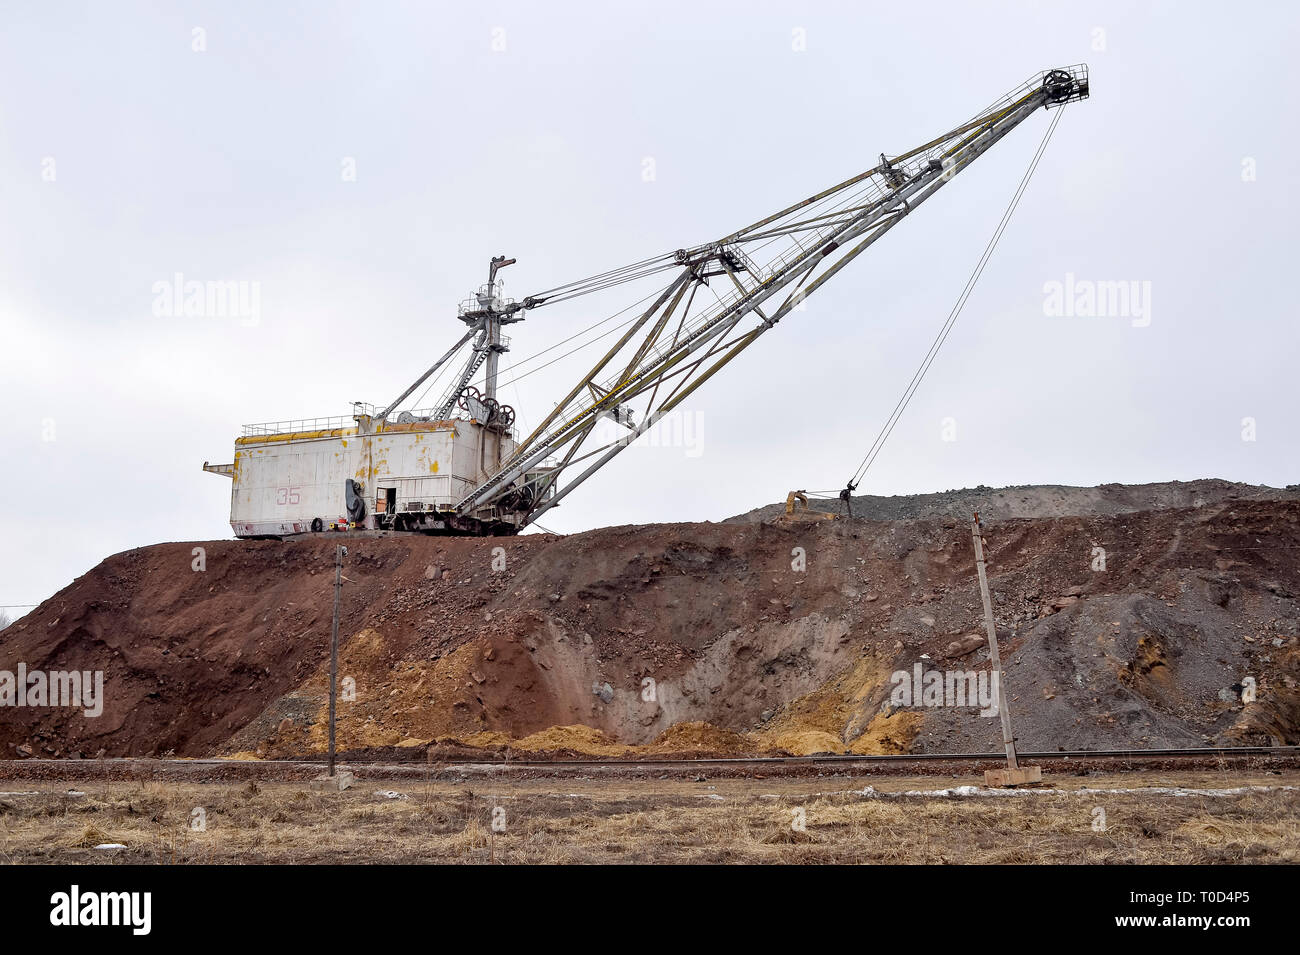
888 735
805 742
579 738
698 737
403 704
488 739
819 721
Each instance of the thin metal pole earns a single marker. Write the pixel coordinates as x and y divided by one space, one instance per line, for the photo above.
1004 713
334 647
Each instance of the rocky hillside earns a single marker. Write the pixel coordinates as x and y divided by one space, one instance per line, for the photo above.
726 638
1041 500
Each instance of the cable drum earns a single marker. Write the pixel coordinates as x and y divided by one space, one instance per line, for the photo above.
486 410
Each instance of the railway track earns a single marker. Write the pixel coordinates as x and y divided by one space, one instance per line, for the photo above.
383 766
831 758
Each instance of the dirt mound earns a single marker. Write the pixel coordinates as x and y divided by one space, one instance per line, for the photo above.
698 737
1137 628
583 740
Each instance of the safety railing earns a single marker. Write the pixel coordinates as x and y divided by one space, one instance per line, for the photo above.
298 425
487 296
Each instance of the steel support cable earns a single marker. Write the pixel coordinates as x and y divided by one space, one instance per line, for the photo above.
561 407
646 266
978 125
990 116
686 371
868 186
649 266
519 400
578 334
514 367
677 334
834 211
908 393
824 221
611 274
614 283
836 195
809 206
415 405
664 261
447 367
820 221
578 348
708 323
920 373
708 327
608 273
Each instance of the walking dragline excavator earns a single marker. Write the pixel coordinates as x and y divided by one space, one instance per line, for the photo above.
460 467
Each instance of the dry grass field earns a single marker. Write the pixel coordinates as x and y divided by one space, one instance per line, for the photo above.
820 820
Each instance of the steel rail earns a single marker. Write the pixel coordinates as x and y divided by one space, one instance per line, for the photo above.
1202 752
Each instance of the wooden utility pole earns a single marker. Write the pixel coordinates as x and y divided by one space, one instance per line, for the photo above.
1014 774
339 553
328 781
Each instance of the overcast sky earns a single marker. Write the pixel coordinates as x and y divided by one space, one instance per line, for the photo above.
360 162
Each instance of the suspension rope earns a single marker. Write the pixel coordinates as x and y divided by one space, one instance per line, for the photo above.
578 348
603 280
447 367
917 378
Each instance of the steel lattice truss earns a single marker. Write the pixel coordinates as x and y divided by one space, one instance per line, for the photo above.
763 272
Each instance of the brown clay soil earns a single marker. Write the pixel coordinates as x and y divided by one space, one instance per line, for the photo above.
687 639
